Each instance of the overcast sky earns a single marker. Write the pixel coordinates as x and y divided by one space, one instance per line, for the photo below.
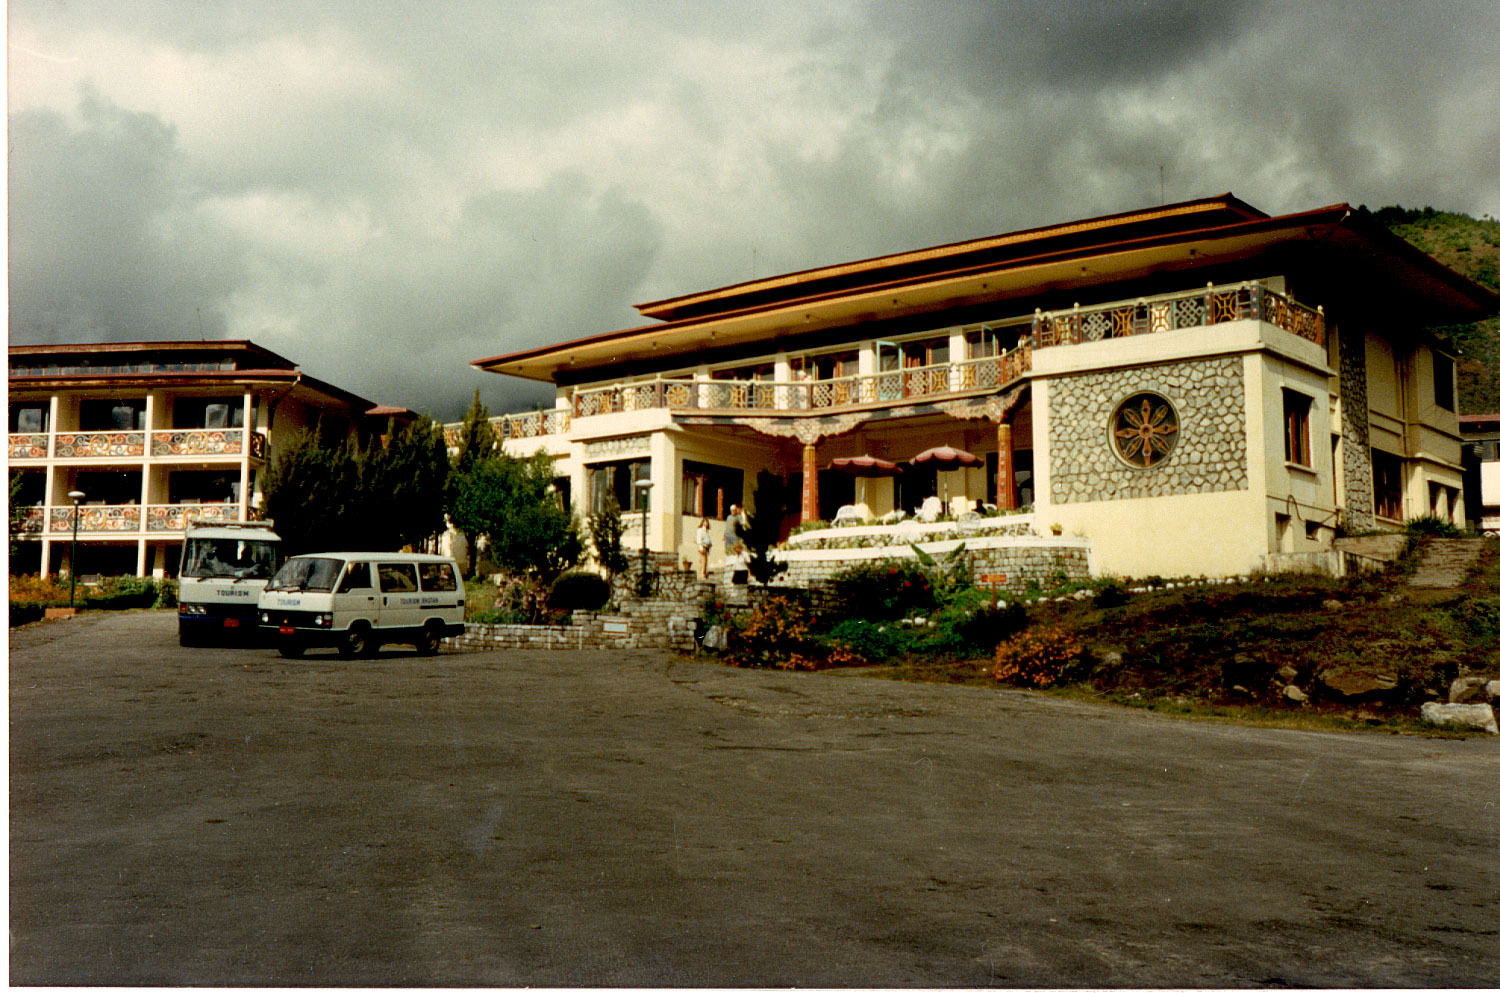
385 191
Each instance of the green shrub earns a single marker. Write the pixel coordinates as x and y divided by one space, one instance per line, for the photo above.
166 593
579 591
1478 616
121 593
984 628
1431 524
875 642
883 590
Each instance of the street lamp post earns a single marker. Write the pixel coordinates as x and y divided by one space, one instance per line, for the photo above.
75 496
644 486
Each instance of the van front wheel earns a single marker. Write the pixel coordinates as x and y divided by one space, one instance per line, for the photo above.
357 642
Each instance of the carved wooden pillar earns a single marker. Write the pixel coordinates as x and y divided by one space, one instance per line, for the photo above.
809 481
1005 476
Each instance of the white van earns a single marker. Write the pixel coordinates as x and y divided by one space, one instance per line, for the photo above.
358 601
224 568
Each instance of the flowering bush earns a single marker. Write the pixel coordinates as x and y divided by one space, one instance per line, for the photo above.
1036 657
519 599
778 634
38 589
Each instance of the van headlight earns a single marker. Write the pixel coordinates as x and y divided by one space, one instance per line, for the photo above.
190 610
323 620
265 618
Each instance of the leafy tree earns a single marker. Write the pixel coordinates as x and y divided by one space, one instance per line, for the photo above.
511 501
325 493
404 481
476 440
763 527
607 532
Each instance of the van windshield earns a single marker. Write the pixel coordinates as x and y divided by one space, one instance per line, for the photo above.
307 574
230 558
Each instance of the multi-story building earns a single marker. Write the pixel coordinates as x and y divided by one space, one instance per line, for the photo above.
1198 388
1481 434
155 436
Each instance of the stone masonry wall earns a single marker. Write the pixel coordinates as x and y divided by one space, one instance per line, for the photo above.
1359 473
1210 453
1008 568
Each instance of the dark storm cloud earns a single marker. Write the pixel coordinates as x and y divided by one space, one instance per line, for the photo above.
384 192
94 252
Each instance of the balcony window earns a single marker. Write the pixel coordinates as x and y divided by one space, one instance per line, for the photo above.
28 418
190 413
932 351
203 486
617 479
112 415
108 488
1296 411
983 344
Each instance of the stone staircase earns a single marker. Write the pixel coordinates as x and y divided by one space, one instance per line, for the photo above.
1445 563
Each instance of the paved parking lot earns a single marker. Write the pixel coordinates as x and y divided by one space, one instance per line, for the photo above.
227 817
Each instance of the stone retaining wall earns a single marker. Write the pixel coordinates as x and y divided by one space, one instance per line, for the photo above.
1012 566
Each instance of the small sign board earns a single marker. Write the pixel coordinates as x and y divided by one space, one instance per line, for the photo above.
990 580
616 627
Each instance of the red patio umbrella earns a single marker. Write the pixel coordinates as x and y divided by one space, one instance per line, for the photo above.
865 466
947 457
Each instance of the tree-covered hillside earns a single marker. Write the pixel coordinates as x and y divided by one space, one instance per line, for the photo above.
1471 246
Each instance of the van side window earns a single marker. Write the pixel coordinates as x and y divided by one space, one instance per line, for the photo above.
357 578
437 577
398 577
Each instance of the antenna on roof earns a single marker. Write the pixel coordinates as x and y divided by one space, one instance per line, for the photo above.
201 335
1161 176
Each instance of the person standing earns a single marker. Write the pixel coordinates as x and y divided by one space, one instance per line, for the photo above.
705 541
734 541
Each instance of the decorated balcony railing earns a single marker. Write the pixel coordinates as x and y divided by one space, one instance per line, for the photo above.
94 519
28 446
198 441
99 445
178 516
1199 308
532 424
822 394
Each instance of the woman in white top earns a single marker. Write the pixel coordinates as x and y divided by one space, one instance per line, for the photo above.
705 542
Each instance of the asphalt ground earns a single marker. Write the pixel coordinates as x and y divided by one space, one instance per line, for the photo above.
216 816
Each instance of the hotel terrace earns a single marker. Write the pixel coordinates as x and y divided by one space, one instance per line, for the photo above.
156 436
1198 388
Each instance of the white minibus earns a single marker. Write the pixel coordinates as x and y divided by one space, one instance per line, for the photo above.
223 571
358 601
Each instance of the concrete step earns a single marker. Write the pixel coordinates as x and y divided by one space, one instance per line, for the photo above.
1446 563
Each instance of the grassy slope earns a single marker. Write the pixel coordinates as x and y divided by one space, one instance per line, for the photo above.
1216 650
1470 246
